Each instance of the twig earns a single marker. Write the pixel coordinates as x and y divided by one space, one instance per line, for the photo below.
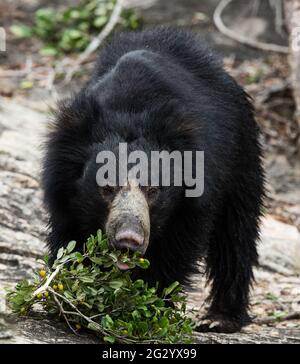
64 313
272 115
45 286
240 38
79 313
279 21
50 83
278 87
96 42
71 304
18 73
273 320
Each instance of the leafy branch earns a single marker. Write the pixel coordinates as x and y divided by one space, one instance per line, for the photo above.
88 290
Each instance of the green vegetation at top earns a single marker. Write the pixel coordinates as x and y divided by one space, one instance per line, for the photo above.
72 29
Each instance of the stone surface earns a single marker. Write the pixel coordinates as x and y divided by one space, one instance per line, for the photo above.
280 248
22 233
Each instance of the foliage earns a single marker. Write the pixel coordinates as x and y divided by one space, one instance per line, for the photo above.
88 290
71 29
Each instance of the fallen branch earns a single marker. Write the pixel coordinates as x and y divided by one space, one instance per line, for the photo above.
50 83
18 73
279 87
269 47
96 42
274 320
279 16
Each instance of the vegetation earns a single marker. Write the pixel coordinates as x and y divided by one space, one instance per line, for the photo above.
89 291
72 29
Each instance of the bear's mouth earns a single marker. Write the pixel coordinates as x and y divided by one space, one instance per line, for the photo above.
122 266
125 263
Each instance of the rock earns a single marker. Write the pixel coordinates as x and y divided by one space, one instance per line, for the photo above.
283 180
279 250
22 233
7 87
41 330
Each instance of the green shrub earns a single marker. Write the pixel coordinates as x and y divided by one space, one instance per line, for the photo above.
72 29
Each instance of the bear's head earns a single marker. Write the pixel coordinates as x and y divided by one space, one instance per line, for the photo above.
121 192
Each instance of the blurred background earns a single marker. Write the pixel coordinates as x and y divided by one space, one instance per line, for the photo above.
50 50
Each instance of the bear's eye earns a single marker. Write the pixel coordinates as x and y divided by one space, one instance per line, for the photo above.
152 192
108 191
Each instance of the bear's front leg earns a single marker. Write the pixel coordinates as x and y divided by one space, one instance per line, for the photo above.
230 260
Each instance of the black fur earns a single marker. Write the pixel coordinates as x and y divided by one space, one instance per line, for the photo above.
163 89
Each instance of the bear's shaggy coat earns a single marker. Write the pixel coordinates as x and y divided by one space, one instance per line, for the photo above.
163 90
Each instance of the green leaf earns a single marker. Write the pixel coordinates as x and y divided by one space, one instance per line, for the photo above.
79 257
46 14
139 283
116 284
21 31
97 260
87 279
26 84
71 246
90 245
68 295
171 288
107 322
143 263
48 51
109 339
60 253
100 307
46 259
113 256
74 34
74 14
136 315
75 286
99 236
80 267
93 291
100 21
104 245
143 327
164 322
93 326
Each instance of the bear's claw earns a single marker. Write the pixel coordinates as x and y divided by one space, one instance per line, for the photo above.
219 325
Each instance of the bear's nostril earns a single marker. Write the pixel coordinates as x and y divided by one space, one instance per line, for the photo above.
129 239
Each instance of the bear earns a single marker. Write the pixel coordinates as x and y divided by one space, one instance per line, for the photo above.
162 90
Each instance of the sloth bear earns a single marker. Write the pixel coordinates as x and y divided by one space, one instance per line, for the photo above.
163 90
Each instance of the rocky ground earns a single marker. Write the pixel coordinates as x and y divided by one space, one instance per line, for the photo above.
275 298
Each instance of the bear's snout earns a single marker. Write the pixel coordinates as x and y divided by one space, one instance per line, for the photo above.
130 237
128 222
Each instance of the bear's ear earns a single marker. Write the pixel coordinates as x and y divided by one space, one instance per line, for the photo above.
68 117
78 115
